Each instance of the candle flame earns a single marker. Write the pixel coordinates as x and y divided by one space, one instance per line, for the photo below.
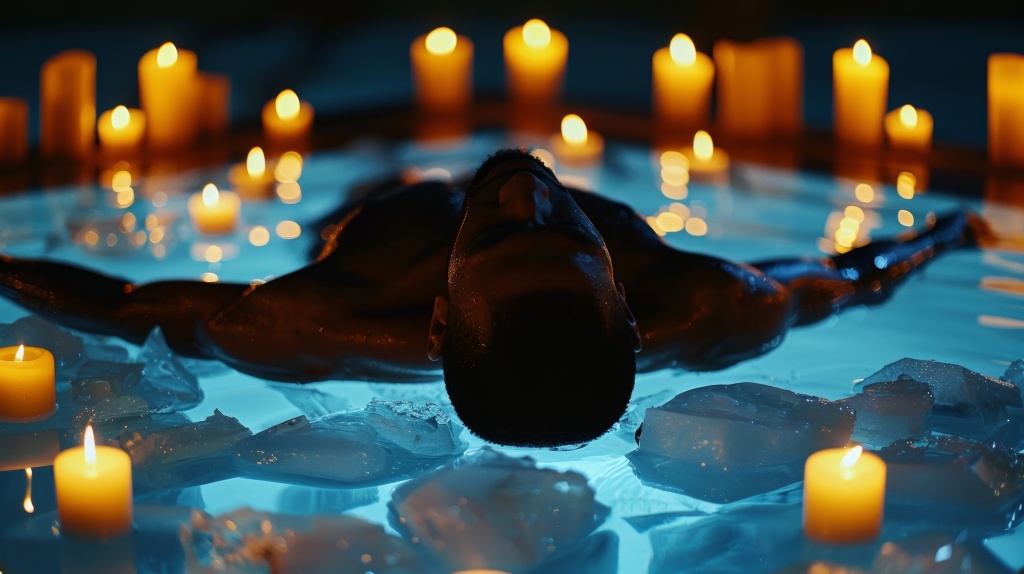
166 56
287 105
850 458
574 130
20 355
536 33
908 116
119 117
27 504
682 50
703 147
862 53
90 446
441 41
256 162
210 195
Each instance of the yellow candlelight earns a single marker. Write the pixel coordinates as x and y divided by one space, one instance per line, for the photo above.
287 121
535 58
121 131
861 88
94 490
214 212
27 383
169 94
254 179
682 79
1006 109
442 67
576 145
910 129
844 496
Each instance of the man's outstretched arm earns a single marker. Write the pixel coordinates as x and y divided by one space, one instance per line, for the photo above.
79 298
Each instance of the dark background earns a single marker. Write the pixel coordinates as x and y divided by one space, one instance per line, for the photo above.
344 57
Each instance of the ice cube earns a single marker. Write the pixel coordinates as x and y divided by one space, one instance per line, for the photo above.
165 382
424 429
97 380
891 410
967 403
490 510
725 442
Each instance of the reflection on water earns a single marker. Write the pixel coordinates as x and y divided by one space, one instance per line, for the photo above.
967 309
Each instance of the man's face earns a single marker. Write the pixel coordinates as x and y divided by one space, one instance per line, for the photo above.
523 232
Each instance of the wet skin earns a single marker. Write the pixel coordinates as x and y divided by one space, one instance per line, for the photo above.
372 304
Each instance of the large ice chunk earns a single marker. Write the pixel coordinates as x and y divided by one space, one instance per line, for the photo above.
247 541
165 382
725 442
493 511
891 410
967 403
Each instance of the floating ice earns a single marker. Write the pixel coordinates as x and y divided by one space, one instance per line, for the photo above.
891 410
490 510
967 403
726 442
382 442
246 541
165 382
311 401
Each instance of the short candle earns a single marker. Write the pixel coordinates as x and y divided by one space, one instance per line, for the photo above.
576 145
844 496
121 131
253 179
94 490
287 121
214 212
27 383
706 161
909 128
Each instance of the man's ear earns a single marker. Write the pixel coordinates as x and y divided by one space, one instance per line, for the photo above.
438 328
637 341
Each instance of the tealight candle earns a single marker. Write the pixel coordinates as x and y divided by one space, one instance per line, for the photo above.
1006 109
844 496
681 84
169 93
287 122
442 68
214 212
759 88
27 383
535 57
13 130
253 179
576 145
67 106
861 88
94 490
121 131
908 128
707 162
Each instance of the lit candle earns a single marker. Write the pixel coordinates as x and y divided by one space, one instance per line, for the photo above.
844 495
13 130
94 490
681 85
707 162
27 383
169 93
253 179
908 128
121 131
214 212
287 122
576 145
1006 109
67 107
861 89
442 68
535 57
759 88
214 103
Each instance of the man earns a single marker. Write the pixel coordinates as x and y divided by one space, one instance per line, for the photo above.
540 303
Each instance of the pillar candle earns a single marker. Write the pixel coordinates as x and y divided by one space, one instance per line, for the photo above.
214 104
1006 109
759 88
168 91
94 490
27 383
861 88
13 130
287 122
214 212
910 129
535 59
442 68
844 496
253 179
67 106
121 131
681 85
576 146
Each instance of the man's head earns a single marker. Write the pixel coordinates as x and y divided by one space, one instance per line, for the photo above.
537 341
